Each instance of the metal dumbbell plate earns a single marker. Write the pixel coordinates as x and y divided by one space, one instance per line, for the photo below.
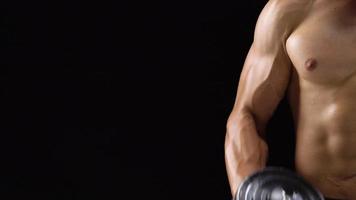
277 184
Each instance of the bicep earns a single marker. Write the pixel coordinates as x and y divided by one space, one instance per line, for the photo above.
266 71
262 84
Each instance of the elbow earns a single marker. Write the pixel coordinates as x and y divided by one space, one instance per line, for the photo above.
243 124
238 118
238 123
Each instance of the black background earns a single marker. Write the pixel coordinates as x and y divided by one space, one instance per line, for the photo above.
123 99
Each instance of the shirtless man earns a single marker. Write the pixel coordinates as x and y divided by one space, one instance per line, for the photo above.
305 49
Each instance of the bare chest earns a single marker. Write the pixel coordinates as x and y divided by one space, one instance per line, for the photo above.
323 48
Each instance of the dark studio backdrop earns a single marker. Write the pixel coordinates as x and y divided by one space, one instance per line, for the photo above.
123 99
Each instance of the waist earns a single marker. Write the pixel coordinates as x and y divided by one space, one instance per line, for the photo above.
330 179
319 169
327 160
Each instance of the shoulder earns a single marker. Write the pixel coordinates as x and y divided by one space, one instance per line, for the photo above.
285 11
280 17
288 6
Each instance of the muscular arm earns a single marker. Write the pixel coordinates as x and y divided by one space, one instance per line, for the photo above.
262 85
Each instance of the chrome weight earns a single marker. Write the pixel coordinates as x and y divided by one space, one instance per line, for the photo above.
276 183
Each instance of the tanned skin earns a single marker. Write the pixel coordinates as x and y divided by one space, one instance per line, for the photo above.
305 50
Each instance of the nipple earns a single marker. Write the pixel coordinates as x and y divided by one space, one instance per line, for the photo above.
310 64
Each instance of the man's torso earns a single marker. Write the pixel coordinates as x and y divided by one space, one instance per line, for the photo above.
322 95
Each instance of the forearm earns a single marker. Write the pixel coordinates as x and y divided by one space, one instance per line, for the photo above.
245 151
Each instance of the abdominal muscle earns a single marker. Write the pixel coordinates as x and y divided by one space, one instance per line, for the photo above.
326 139
325 167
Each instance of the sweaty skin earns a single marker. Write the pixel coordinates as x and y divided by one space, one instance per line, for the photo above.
306 50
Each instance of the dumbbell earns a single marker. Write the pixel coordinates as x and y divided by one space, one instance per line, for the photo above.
276 183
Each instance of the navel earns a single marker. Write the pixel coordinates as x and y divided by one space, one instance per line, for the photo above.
310 64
